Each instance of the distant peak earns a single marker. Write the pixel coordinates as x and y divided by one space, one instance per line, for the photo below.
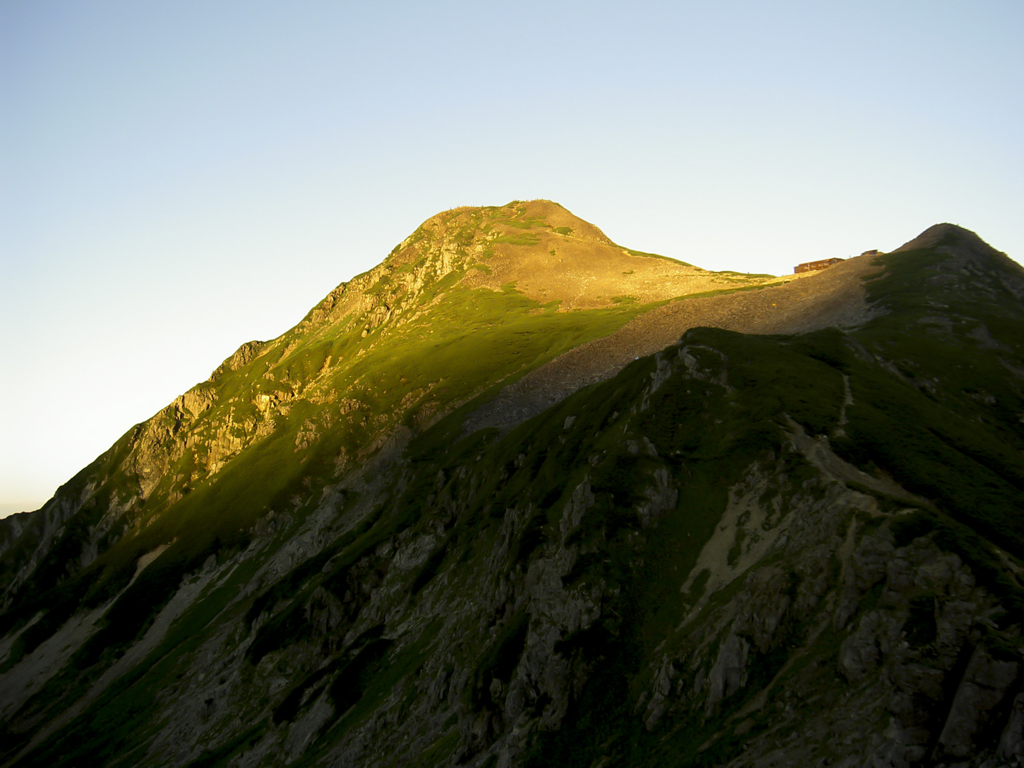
948 235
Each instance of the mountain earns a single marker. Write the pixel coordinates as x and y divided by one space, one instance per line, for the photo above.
519 496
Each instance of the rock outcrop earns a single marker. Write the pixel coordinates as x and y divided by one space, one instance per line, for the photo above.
800 548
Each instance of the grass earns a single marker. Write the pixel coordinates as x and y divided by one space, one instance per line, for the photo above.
484 333
527 238
934 411
801 377
722 292
486 336
646 255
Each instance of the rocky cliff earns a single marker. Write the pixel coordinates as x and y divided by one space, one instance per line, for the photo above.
462 515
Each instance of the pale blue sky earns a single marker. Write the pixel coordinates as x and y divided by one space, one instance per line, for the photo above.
179 178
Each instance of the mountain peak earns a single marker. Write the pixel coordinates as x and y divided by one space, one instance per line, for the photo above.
354 546
515 217
951 235
536 248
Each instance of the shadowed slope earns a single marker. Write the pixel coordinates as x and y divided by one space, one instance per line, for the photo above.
440 321
799 546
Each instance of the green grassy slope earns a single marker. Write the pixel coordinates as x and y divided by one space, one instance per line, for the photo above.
310 403
397 347
927 395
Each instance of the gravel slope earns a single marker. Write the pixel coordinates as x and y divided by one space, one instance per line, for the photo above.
832 297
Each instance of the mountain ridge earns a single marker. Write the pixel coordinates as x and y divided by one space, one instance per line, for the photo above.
407 283
716 554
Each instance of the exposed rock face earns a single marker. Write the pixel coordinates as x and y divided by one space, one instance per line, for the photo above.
242 357
984 686
743 550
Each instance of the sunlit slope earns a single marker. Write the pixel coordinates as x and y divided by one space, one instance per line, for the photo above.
441 321
727 554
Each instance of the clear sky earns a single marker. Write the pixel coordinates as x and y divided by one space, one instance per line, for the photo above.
179 178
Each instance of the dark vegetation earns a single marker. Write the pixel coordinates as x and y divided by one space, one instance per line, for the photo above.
934 411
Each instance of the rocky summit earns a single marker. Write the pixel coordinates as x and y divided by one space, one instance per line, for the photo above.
520 496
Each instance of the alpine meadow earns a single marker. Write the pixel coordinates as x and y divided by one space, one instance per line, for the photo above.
520 496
